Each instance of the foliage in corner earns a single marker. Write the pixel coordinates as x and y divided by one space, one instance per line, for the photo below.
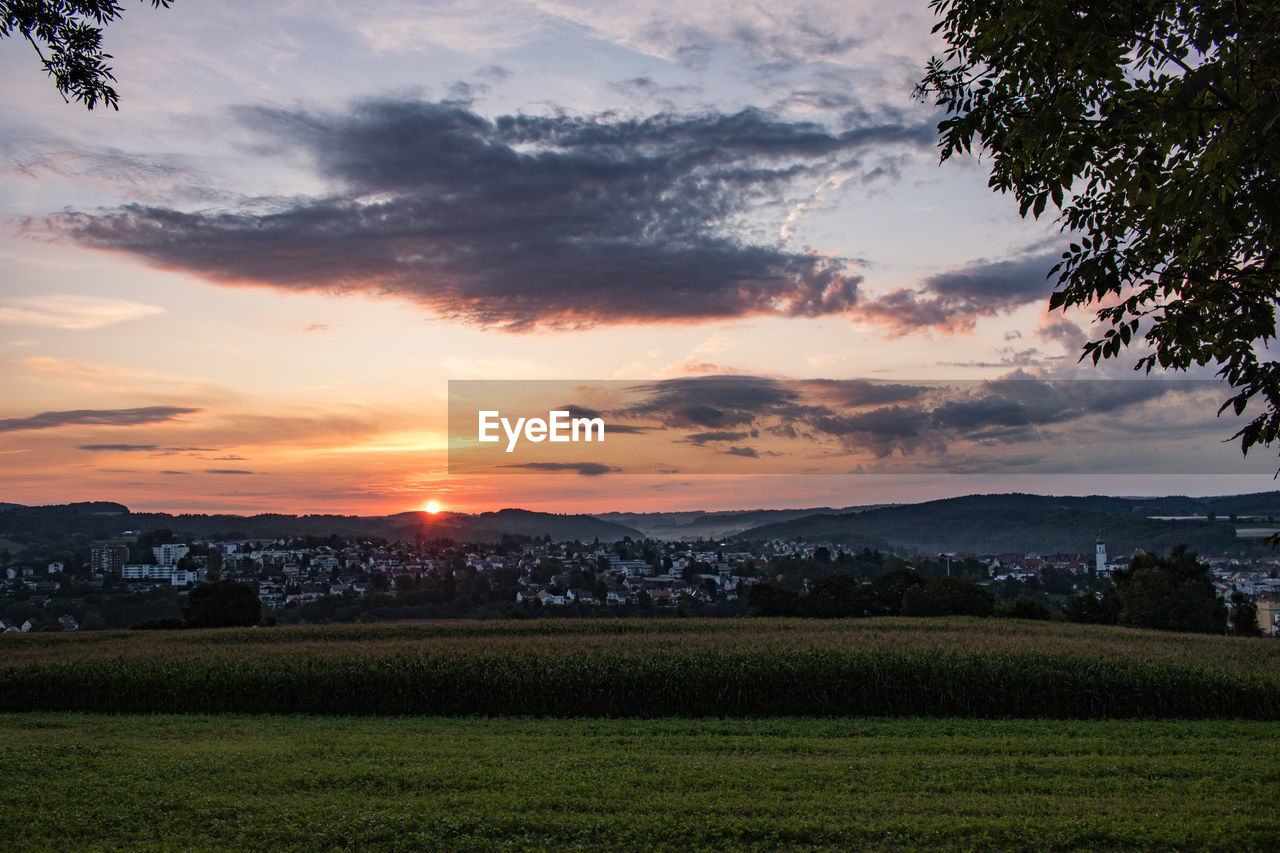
67 36
1152 127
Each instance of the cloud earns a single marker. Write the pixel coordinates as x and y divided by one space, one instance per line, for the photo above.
521 221
712 403
1009 410
701 438
126 448
586 469
72 312
848 393
953 301
226 471
584 412
138 176
96 417
885 419
1068 334
883 431
748 452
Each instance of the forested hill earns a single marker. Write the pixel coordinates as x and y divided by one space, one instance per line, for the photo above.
103 520
995 524
700 524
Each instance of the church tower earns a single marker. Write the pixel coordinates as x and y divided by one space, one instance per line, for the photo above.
1101 563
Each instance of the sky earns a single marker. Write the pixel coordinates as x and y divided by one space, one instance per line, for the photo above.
250 288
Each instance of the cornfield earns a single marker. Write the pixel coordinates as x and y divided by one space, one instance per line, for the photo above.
649 669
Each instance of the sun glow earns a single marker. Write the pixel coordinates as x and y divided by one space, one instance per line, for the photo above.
432 507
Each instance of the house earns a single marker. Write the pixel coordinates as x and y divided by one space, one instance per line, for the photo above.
582 596
68 623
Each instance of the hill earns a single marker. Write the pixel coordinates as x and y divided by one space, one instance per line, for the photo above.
995 524
699 524
102 520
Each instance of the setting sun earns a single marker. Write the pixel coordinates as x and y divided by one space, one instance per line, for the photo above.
432 507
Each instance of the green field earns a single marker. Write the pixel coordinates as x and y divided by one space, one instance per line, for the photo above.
873 734
101 782
650 668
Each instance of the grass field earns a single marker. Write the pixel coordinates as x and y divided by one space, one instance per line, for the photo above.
647 668
102 782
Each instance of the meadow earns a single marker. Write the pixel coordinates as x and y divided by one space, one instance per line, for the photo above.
106 782
651 668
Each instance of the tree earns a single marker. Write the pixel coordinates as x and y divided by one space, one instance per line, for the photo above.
886 590
1057 581
946 596
1092 609
767 598
1024 607
222 604
1151 127
1172 593
834 596
67 36
1244 616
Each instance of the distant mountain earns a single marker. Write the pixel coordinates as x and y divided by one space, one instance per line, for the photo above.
982 523
492 526
711 525
994 524
101 520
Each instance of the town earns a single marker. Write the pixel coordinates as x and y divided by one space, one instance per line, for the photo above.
144 578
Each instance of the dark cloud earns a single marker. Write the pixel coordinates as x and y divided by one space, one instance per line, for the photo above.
749 452
586 469
583 412
1050 402
127 448
848 393
226 471
953 301
714 403
580 411
885 418
522 221
883 431
980 413
96 417
703 437
462 93
175 473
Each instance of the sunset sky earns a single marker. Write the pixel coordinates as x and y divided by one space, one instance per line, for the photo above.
248 289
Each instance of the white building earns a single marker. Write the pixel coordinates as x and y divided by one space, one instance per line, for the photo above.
170 554
183 577
148 573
